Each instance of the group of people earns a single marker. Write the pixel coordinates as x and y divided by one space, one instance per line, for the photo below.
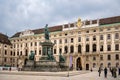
113 71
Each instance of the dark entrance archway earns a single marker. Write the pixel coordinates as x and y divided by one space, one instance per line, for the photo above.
87 66
78 64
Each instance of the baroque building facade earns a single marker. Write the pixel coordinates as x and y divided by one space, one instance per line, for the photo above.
6 55
84 44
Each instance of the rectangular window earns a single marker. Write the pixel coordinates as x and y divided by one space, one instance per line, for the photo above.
5 59
116 35
60 41
101 37
35 43
94 38
87 38
72 40
39 52
101 47
54 51
101 57
87 58
54 41
65 40
31 43
5 52
108 36
17 53
35 52
79 39
20 52
26 44
21 45
11 53
116 47
108 47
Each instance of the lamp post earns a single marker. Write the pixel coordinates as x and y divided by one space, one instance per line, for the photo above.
68 54
68 64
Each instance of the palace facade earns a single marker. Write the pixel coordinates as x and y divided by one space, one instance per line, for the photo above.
84 44
6 58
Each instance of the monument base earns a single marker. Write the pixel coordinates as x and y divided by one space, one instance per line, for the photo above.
44 66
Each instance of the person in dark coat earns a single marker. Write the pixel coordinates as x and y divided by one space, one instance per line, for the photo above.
114 72
105 72
119 71
99 70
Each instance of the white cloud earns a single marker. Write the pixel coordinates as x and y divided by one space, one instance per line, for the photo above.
18 15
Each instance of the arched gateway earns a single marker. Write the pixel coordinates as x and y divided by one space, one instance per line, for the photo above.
78 64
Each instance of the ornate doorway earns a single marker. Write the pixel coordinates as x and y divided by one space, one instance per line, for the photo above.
78 64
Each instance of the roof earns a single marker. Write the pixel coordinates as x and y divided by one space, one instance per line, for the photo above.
4 39
105 21
40 31
102 21
110 20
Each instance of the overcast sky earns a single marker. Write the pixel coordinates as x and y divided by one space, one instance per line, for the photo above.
20 15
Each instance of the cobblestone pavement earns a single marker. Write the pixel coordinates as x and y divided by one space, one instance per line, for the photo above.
75 75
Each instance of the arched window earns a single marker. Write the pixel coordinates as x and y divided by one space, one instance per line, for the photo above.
66 49
5 52
60 50
117 57
94 58
87 47
79 48
101 64
94 47
117 64
109 65
94 65
109 57
72 49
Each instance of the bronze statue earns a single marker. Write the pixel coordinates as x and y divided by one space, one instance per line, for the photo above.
61 58
31 56
46 32
50 56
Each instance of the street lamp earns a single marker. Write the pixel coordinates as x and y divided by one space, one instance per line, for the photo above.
68 55
68 64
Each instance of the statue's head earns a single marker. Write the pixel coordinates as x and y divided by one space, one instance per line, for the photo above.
46 25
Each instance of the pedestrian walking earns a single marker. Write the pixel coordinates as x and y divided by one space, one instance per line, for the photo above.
114 72
119 71
105 72
99 71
